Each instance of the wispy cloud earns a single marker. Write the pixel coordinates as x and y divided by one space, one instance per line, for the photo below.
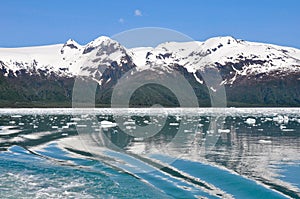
121 20
138 13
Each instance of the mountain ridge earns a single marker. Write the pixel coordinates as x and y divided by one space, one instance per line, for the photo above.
70 55
241 64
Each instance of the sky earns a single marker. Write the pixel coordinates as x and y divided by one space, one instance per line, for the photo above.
36 22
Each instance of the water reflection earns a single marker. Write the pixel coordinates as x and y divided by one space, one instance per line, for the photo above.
252 143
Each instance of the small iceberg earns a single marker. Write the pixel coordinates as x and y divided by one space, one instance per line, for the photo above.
16 116
107 124
281 119
264 141
250 121
223 130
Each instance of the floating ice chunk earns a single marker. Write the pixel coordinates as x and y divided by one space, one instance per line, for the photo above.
130 127
285 119
277 118
287 130
138 139
223 130
75 119
250 121
129 122
282 127
30 136
16 116
213 89
71 123
281 119
264 141
107 124
81 125
268 119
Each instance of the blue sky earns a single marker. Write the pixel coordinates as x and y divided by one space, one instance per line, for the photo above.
36 22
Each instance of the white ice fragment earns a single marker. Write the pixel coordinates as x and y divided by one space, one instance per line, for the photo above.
285 119
279 119
107 124
250 121
81 125
223 130
130 127
129 122
76 119
264 141
16 116
213 89
287 130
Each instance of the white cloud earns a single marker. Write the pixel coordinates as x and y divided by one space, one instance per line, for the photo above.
121 20
138 13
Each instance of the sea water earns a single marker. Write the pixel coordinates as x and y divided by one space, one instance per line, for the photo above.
150 153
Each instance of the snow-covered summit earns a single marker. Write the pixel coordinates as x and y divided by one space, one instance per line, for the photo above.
72 44
218 42
63 59
245 58
239 57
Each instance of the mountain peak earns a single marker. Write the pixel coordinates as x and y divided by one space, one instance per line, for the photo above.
101 41
72 44
223 40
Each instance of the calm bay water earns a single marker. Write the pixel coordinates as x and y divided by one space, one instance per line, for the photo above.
142 153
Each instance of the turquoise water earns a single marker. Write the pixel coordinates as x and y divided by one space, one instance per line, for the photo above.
191 153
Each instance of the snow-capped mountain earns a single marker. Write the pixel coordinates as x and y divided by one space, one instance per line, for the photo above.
242 64
68 59
238 57
72 59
